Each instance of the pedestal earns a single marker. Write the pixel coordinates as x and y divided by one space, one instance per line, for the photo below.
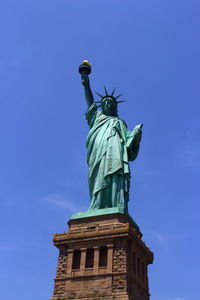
102 258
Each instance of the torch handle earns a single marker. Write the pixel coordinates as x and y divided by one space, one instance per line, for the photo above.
84 78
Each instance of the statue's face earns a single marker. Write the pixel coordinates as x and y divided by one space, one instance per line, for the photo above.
109 107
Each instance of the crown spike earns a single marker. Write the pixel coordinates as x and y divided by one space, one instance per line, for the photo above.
113 92
106 91
118 96
99 95
120 101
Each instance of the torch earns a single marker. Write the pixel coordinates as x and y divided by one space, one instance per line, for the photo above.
85 70
85 67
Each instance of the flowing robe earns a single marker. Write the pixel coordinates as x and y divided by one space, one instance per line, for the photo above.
109 149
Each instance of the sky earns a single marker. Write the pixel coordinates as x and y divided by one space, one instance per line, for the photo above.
149 51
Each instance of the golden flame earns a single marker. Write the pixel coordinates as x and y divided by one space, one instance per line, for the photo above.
86 62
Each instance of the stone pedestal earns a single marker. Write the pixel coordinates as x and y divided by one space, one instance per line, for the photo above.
102 258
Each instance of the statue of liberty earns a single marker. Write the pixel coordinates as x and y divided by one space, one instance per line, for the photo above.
110 147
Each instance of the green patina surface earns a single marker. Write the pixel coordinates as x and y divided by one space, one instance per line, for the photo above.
110 147
99 212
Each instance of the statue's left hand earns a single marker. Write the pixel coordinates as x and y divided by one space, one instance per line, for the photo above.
138 136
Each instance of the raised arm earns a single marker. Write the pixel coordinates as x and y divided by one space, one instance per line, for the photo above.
85 70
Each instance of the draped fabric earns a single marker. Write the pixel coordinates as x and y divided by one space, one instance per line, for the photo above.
109 149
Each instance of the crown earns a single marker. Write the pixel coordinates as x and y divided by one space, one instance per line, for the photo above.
107 96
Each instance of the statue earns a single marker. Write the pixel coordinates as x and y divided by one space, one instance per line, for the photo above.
110 147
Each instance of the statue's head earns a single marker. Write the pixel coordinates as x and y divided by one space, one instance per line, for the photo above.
109 103
109 106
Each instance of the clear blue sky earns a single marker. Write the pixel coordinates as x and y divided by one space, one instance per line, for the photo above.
149 51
